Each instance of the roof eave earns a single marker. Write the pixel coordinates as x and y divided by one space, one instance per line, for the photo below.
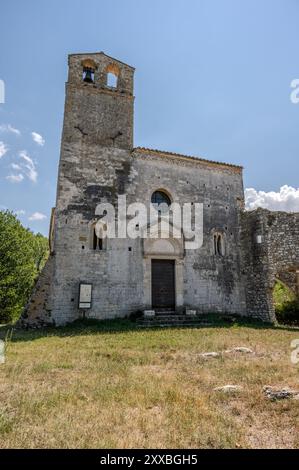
185 157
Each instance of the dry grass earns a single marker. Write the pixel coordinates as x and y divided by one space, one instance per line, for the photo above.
86 386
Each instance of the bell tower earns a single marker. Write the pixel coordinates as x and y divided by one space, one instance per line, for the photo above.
99 101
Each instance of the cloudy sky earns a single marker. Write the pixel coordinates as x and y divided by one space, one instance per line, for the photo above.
213 79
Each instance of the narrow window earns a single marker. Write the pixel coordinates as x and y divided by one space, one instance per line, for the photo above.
97 243
95 240
111 80
215 244
218 244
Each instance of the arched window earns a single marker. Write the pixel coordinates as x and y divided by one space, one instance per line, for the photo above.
112 71
89 68
161 201
159 197
96 242
88 75
218 244
111 80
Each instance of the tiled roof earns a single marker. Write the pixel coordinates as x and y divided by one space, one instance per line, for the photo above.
179 155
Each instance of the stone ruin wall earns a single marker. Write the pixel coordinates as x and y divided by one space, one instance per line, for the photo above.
270 248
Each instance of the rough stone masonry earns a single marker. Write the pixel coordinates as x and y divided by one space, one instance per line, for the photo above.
233 272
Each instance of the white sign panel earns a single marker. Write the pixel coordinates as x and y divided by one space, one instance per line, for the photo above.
85 296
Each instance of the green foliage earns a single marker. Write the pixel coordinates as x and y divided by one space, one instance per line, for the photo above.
281 294
41 251
288 313
286 305
22 255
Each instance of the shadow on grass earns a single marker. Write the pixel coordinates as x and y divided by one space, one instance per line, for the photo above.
96 327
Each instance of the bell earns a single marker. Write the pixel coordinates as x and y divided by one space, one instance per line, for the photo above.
88 76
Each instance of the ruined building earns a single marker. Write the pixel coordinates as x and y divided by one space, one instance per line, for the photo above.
234 270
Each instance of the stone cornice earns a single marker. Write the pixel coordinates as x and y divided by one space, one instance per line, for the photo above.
99 90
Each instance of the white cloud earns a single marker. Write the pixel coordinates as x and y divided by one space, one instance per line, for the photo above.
25 167
38 139
9 128
15 178
15 166
37 216
3 149
286 199
28 166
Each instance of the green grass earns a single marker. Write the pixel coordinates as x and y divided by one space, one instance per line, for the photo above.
108 384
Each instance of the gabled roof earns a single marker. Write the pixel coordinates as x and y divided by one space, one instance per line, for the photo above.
184 157
102 53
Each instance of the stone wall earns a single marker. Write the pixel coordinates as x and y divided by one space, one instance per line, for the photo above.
38 311
270 247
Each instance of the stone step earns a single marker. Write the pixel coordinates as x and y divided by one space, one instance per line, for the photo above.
170 318
166 312
174 315
152 324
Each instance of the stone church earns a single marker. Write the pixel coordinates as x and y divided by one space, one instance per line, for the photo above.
242 253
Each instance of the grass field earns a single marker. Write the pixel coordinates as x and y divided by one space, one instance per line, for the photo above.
109 385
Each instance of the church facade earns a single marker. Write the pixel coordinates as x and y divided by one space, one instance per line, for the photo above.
234 269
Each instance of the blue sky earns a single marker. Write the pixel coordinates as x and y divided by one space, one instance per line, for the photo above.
212 79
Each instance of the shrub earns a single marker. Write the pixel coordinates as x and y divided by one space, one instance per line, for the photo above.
288 312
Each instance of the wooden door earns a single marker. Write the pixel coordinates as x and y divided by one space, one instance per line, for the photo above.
163 284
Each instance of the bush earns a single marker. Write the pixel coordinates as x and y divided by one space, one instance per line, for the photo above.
288 312
134 316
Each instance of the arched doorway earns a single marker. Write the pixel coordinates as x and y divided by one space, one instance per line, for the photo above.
286 297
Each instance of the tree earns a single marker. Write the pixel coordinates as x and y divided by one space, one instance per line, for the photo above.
41 251
22 255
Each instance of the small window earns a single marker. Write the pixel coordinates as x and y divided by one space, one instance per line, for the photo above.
88 75
97 242
218 244
111 80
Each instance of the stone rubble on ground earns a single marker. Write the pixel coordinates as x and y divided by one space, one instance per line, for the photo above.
229 388
240 349
213 354
276 393
207 355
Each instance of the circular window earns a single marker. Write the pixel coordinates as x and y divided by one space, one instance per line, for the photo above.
161 199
